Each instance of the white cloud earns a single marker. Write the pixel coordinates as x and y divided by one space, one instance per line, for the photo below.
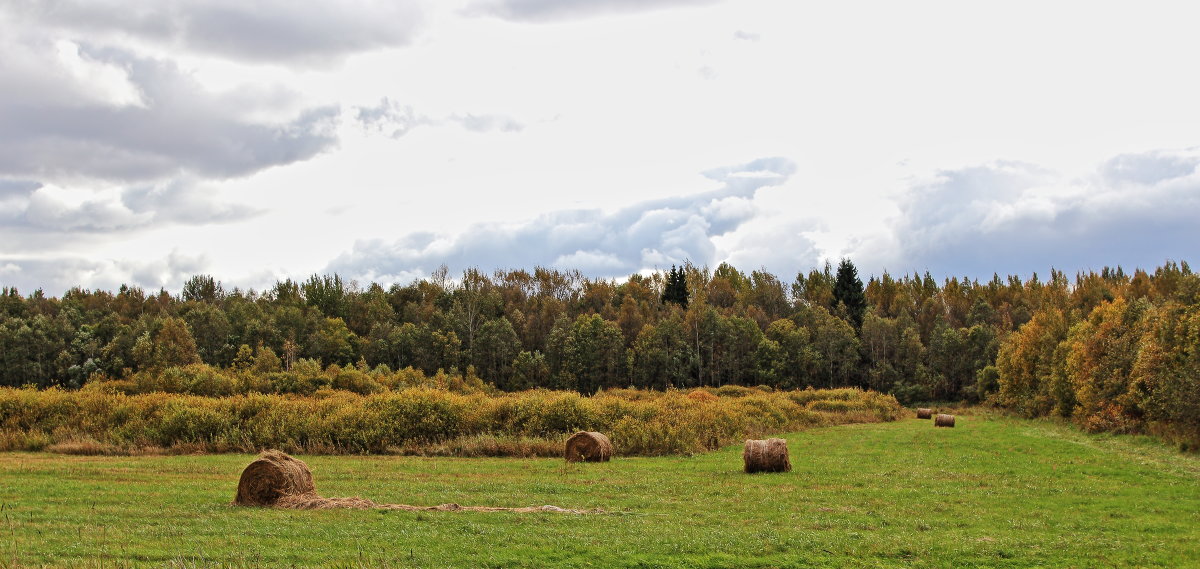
590 262
646 235
48 216
393 119
558 10
56 275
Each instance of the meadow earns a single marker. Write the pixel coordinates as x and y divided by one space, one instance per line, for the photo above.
992 492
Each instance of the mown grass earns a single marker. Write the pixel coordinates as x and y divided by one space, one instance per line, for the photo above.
992 492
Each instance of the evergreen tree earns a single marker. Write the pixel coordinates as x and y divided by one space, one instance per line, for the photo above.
676 290
848 290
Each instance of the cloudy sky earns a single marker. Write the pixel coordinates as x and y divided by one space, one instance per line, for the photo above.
143 142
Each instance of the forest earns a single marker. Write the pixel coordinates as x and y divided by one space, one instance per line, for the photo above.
1111 351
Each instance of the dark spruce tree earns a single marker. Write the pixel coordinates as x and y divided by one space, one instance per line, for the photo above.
848 290
676 288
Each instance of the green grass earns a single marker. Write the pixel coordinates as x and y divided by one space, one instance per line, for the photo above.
992 492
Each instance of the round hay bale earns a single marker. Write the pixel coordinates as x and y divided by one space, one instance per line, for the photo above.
770 455
924 413
272 477
588 446
943 420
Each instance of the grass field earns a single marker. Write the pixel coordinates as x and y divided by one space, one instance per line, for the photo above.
992 492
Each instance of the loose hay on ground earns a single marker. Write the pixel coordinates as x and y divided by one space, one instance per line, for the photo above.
770 455
278 480
588 446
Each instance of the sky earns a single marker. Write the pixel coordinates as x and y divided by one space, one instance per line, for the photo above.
145 142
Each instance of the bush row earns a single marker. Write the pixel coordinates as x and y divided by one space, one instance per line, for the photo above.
419 420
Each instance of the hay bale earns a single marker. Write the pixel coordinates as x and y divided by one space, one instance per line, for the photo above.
588 446
770 455
943 420
924 413
272 477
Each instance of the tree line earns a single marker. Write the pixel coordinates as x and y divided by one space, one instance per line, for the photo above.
1111 349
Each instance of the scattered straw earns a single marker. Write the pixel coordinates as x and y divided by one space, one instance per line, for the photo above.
278 480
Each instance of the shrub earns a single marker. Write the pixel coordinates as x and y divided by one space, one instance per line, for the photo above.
700 395
734 391
836 405
101 419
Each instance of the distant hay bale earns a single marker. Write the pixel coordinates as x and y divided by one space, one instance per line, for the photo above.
924 413
770 455
588 446
943 420
272 477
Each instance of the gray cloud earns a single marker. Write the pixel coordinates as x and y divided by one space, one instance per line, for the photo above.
1149 168
650 234
17 187
558 10
1137 210
275 31
176 127
99 140
182 201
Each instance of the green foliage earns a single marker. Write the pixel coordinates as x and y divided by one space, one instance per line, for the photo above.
588 355
790 360
333 342
171 345
837 347
327 294
659 357
202 288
